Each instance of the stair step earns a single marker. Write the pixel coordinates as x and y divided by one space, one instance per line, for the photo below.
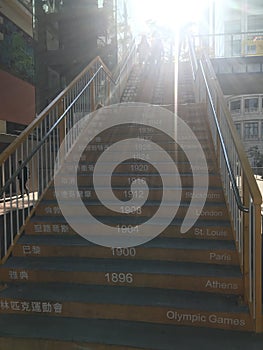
151 155
184 165
127 304
139 167
169 249
215 210
26 332
102 142
208 229
213 195
134 273
151 179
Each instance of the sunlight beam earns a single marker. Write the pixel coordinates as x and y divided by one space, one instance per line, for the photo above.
169 13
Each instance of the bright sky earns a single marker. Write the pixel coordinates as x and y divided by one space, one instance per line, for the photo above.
171 13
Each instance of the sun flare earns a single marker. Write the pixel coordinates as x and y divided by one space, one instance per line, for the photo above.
168 13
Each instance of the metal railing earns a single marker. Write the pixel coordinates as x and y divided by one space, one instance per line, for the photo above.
23 184
226 45
241 191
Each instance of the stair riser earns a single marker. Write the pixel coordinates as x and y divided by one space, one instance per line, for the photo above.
24 343
151 314
221 257
227 285
141 168
161 139
145 132
90 194
152 156
126 180
216 212
197 231
195 117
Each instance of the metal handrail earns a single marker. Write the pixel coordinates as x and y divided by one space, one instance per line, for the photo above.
37 144
4 155
236 174
240 204
133 47
27 130
256 195
40 144
35 122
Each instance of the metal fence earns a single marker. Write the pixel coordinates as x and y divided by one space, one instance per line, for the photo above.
225 45
242 193
27 166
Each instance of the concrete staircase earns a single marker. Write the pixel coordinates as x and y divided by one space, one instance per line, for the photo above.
56 280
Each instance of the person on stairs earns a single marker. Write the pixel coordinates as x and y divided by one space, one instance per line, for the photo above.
22 179
143 50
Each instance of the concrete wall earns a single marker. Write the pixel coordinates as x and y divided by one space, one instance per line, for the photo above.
17 99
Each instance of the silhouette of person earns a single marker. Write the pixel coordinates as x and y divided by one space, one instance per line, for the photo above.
157 50
22 179
143 50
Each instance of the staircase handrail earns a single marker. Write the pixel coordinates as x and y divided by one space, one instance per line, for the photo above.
46 136
94 85
237 178
223 146
4 155
195 64
248 173
60 96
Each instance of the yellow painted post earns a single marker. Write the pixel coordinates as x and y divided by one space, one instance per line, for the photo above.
246 248
258 267
255 310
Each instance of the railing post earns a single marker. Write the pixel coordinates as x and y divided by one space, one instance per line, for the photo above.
217 137
246 245
258 268
108 89
62 130
92 93
252 269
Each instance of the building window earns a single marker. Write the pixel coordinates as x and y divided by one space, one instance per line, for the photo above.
254 3
251 105
250 48
238 127
255 23
232 41
232 46
251 131
233 26
239 68
253 67
235 107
